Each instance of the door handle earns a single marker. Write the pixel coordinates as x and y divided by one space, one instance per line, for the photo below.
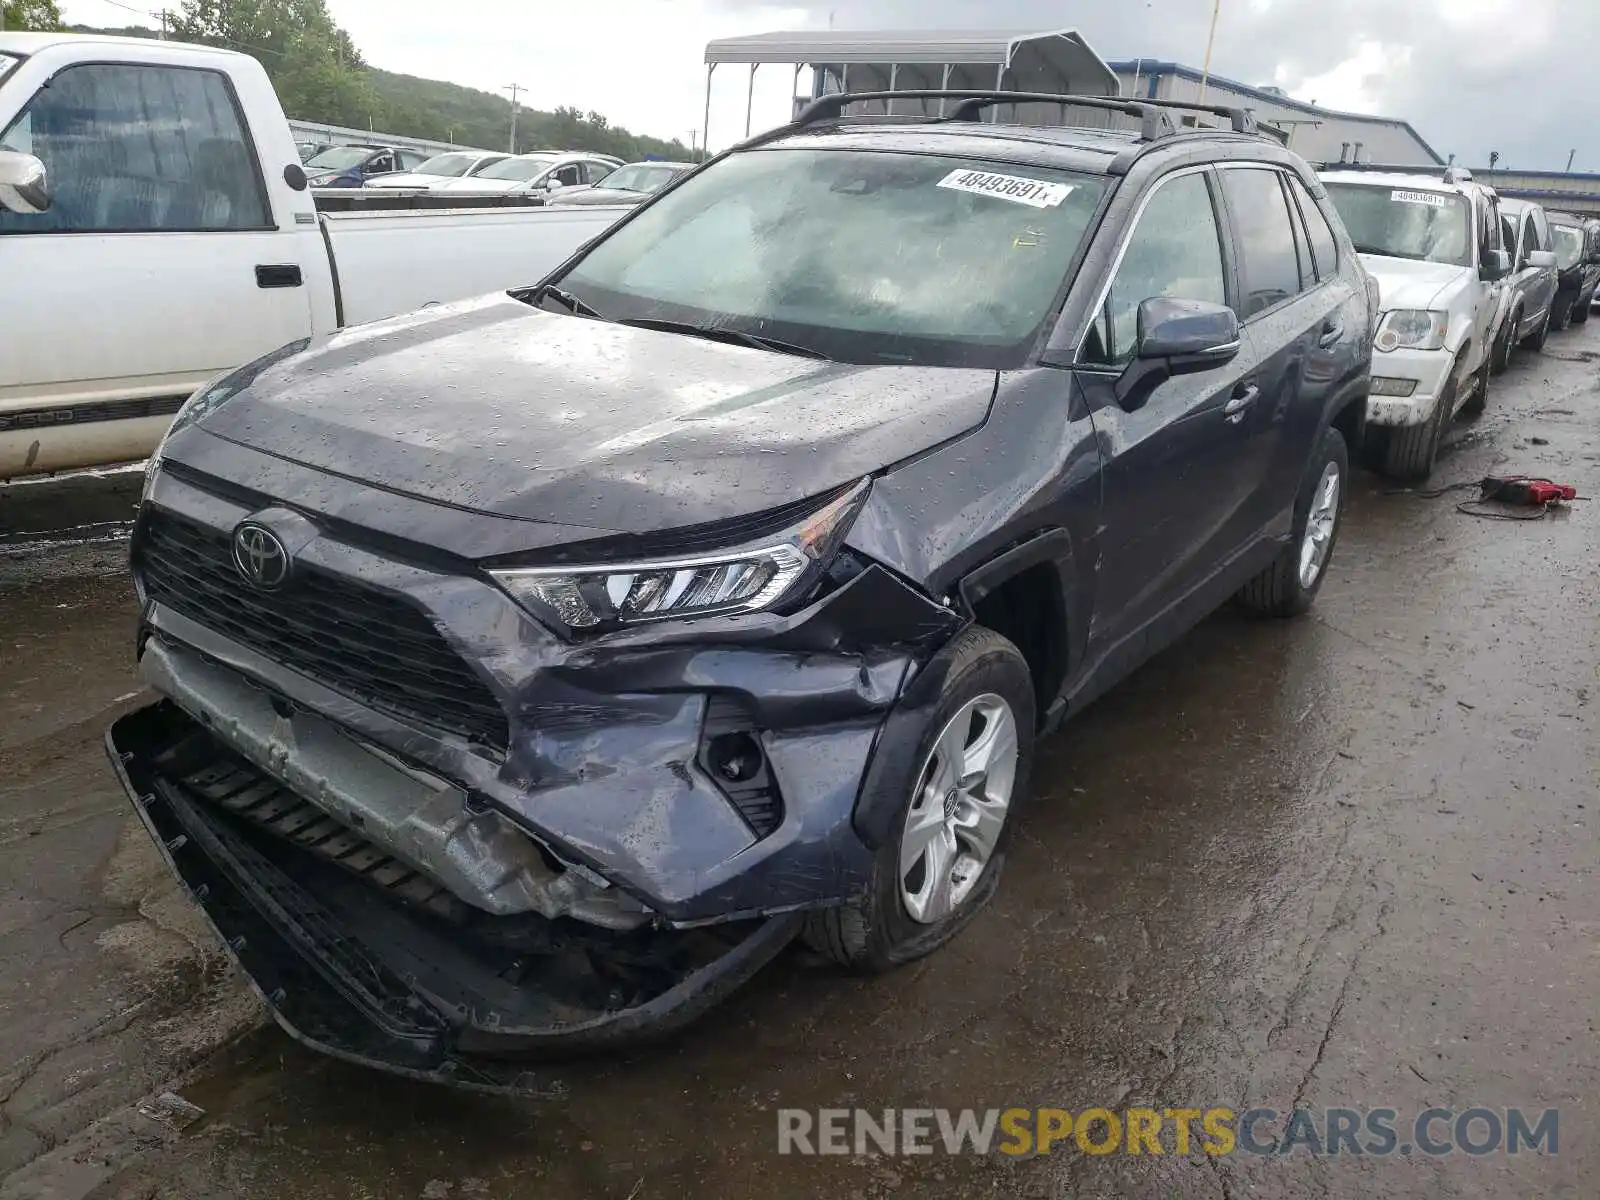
278 275
1330 335
1239 403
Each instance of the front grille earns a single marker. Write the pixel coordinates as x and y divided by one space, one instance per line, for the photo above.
359 641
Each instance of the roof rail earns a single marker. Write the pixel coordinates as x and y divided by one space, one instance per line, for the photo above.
1154 121
1443 173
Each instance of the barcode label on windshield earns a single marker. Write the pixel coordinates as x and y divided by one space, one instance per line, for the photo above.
1035 193
1433 198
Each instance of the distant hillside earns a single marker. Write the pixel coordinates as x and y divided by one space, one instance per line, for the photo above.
431 108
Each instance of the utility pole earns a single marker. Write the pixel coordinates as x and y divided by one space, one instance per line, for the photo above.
513 88
162 36
1205 71
1570 157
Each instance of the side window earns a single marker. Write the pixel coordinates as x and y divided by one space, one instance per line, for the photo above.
378 164
1508 230
1530 236
133 148
1267 246
598 170
1175 251
410 160
1324 246
570 175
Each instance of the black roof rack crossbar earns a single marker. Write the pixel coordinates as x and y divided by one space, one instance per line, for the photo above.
1153 119
1241 119
1440 171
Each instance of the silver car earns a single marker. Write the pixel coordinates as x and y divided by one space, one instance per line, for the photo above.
1532 282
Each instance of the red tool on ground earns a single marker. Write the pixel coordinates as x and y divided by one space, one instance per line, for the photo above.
1523 492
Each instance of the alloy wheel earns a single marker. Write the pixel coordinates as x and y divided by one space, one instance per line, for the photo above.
963 796
1318 539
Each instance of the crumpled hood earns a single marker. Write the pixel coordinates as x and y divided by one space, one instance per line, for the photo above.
495 406
1407 283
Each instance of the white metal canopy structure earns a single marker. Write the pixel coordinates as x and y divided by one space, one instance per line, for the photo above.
1057 61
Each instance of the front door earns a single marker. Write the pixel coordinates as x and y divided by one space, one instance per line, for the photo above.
1177 467
157 265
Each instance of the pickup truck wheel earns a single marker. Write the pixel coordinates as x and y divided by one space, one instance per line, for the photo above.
1412 448
1580 313
943 858
1502 344
1535 341
1288 587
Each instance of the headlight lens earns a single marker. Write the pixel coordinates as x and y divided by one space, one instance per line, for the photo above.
1412 329
594 599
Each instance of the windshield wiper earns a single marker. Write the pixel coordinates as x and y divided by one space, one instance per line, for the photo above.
564 298
721 333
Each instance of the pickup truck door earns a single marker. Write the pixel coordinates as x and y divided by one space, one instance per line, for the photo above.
159 262
1176 467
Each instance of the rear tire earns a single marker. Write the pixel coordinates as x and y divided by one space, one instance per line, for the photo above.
1580 313
987 675
1412 448
1289 586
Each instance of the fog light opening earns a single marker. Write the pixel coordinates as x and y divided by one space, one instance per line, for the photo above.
735 757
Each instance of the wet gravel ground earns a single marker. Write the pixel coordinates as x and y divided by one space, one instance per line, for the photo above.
1348 860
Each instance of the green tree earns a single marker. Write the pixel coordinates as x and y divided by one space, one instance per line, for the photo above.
29 14
315 67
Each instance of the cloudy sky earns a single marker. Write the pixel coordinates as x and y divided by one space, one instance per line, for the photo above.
1471 75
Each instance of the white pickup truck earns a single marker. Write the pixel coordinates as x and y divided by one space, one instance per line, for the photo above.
156 229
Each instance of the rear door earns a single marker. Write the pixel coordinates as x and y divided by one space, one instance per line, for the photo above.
1169 482
158 264
1290 319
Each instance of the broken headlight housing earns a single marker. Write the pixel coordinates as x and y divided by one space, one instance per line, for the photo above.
1412 329
588 599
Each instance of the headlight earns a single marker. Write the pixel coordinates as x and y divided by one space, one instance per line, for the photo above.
594 599
1412 329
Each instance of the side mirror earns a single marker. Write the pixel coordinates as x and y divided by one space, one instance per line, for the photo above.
1496 266
1541 258
24 185
1177 337
553 184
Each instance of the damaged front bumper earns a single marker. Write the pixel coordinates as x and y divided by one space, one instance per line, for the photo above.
351 972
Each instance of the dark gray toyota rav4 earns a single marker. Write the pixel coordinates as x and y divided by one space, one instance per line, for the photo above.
533 669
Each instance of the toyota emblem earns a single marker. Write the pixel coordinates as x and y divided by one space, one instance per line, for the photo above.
260 557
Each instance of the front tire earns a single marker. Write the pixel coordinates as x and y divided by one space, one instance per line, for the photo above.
1560 317
1290 585
1412 448
1535 341
1502 344
1474 405
943 858
1580 313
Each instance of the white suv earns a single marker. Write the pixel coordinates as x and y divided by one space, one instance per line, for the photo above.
1434 243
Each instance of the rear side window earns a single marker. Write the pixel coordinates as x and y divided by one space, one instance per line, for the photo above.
133 148
1175 251
1324 246
1269 264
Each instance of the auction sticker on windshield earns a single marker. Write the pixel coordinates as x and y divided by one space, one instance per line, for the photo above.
1035 193
1433 198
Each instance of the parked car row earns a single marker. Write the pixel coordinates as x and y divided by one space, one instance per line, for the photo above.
1465 278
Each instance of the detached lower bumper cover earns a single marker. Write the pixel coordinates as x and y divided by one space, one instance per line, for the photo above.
355 974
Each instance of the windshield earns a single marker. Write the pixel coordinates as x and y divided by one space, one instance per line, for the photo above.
338 158
519 169
7 61
447 164
860 256
1403 223
642 177
1569 245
